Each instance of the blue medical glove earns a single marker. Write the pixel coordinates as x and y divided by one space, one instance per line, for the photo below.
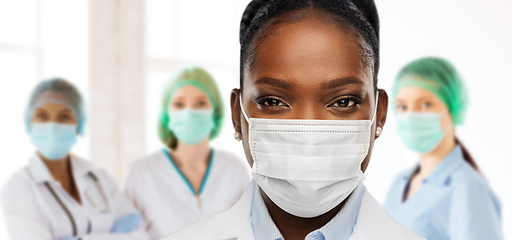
69 238
127 223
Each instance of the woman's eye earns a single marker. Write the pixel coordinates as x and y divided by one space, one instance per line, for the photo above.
41 116
65 117
426 105
401 108
178 104
271 102
347 102
201 104
344 103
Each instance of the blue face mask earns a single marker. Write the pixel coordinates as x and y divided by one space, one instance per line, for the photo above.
191 126
53 140
421 132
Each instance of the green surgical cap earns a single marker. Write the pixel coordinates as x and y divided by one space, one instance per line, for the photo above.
439 77
201 79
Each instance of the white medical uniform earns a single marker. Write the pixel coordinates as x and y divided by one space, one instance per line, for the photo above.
32 211
373 223
167 200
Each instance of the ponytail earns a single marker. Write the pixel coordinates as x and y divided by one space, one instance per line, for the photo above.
467 156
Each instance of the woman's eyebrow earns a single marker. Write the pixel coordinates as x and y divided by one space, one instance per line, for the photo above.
201 97
279 83
334 83
65 111
422 98
177 98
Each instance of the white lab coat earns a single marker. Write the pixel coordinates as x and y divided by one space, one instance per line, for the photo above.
167 202
33 212
373 223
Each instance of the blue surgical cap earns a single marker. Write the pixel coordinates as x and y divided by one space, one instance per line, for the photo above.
59 91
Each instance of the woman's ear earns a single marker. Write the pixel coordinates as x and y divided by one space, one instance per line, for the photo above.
382 109
235 109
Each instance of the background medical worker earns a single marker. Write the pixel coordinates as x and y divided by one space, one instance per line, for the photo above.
59 195
187 179
308 111
444 196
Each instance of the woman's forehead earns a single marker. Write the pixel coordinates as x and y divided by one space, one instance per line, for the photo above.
311 50
415 93
53 106
189 91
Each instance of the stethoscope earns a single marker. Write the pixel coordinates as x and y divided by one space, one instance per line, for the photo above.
96 206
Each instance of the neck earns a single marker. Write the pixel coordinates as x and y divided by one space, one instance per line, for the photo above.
192 154
293 227
429 161
59 169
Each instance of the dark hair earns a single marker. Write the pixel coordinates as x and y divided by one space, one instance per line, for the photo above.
467 156
359 16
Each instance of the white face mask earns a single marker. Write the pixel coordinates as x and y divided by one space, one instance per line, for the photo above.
308 167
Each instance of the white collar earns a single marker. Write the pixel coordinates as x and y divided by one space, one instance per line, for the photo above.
40 173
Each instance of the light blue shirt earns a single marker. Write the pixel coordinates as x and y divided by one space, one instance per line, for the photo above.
454 202
339 228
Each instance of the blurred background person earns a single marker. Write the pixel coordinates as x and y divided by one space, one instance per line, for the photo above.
187 179
59 195
444 196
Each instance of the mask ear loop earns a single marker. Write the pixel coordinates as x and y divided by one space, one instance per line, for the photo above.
243 110
363 177
255 160
376 106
